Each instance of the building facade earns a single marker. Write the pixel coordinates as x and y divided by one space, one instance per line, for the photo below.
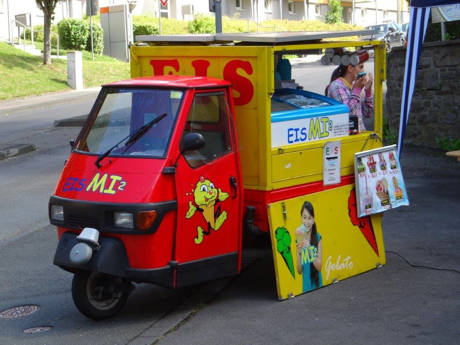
12 12
360 12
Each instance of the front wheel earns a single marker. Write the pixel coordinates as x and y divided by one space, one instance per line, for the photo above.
99 296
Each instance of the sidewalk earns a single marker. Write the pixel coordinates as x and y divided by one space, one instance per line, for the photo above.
16 104
8 108
413 299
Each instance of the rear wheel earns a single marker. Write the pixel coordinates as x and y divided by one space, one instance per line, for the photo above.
99 296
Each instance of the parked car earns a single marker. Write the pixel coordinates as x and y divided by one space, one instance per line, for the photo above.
404 29
388 32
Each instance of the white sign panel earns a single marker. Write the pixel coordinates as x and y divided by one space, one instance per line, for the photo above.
309 129
331 163
379 181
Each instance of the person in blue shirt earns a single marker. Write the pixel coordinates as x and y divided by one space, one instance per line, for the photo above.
309 249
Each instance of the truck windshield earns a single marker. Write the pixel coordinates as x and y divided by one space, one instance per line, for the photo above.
122 112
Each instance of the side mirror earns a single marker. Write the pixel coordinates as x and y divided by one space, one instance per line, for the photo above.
191 141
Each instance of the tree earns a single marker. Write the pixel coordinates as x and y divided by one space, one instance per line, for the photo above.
47 6
334 13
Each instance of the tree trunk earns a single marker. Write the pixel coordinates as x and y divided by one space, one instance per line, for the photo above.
47 39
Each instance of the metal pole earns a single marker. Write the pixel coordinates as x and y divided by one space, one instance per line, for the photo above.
218 7
353 13
281 9
305 9
24 36
257 15
443 31
31 30
252 15
9 21
376 13
91 28
159 17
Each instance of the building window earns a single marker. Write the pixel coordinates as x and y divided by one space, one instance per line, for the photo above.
268 5
363 12
291 6
239 4
317 9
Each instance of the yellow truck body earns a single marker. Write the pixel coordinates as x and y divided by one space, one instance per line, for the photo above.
251 69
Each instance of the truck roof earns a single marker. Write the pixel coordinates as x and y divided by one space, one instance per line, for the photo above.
287 37
172 81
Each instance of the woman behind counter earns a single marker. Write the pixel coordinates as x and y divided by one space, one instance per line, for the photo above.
346 87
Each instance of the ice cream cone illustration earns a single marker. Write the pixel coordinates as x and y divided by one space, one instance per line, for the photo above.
382 162
283 246
361 166
382 192
398 193
393 164
367 198
371 164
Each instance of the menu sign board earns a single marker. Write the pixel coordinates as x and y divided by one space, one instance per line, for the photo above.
379 181
331 163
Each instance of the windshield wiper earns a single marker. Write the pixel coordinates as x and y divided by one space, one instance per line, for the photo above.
132 138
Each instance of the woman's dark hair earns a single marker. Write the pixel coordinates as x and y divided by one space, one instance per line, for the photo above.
337 73
313 240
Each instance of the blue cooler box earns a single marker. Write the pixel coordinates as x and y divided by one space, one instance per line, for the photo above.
300 116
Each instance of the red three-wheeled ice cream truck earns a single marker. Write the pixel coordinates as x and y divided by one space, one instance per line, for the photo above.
211 141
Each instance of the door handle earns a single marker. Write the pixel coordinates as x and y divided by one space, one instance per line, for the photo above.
234 186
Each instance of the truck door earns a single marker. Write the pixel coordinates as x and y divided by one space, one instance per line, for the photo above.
209 193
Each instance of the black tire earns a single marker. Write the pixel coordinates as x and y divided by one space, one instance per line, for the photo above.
99 296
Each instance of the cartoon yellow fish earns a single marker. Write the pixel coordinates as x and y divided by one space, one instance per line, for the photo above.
206 196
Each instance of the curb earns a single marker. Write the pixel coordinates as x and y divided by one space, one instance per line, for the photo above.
46 99
15 150
76 121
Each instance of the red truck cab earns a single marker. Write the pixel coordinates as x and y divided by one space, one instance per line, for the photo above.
154 178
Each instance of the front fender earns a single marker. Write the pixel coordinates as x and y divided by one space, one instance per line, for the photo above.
110 258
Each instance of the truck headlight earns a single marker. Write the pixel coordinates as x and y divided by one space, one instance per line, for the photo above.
123 220
57 213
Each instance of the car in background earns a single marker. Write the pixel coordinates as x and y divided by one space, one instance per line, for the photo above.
388 32
405 28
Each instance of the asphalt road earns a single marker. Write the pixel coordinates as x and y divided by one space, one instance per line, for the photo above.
27 181
413 299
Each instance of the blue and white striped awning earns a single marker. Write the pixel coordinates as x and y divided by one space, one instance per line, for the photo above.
419 16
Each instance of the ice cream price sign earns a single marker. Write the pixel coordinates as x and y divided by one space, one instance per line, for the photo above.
379 181
331 163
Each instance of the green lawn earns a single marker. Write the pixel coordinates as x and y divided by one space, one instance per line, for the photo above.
22 74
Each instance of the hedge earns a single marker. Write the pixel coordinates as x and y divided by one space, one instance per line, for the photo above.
144 29
98 39
39 34
75 34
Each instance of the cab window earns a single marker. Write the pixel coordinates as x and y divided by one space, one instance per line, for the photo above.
209 117
123 112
